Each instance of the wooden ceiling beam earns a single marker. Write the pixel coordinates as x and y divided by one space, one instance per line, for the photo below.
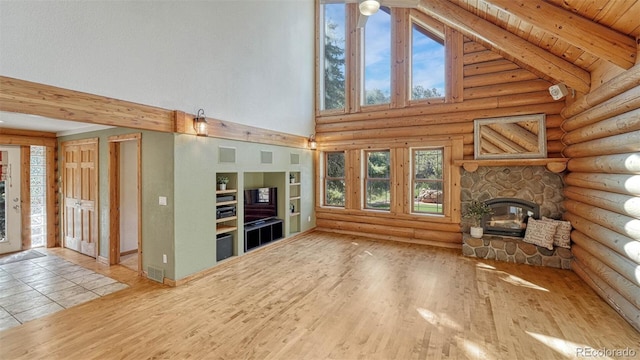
525 54
580 32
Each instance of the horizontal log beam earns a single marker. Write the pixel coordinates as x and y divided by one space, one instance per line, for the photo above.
394 232
621 224
503 77
517 49
623 245
27 140
618 144
619 124
628 163
621 305
622 204
453 244
618 183
415 222
616 86
489 67
594 38
620 264
27 97
619 104
520 87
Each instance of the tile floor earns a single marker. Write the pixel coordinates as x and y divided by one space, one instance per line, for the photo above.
34 288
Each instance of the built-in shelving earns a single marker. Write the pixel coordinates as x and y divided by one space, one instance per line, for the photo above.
294 201
226 225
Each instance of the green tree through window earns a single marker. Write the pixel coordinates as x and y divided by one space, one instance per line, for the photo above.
334 181
333 50
378 180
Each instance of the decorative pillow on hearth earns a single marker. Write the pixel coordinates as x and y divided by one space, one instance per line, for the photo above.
540 233
562 237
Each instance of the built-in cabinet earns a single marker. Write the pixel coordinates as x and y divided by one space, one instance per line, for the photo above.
226 216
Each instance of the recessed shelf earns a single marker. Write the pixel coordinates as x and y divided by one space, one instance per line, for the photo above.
292 184
228 191
221 229
230 218
294 214
227 202
294 198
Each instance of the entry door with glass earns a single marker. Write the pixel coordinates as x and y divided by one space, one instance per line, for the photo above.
10 216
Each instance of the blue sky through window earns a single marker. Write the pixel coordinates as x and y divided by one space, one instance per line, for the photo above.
427 54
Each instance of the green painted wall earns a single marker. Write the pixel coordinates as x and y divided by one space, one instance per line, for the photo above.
184 168
196 169
157 180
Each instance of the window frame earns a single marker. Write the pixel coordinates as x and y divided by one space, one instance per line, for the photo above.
321 44
434 30
443 181
366 178
326 178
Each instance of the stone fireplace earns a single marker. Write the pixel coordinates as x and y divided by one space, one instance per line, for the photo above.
516 193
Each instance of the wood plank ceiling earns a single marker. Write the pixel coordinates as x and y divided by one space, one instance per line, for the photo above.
553 25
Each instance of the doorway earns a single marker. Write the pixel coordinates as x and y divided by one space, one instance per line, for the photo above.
125 201
10 211
80 195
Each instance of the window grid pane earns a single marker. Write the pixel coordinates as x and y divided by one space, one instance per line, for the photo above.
334 182
427 65
378 180
428 184
333 50
377 58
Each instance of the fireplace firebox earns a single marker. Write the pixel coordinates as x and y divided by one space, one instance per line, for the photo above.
509 216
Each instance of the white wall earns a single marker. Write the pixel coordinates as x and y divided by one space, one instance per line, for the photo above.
245 61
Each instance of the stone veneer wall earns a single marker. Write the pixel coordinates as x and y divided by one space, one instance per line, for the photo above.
531 183
514 250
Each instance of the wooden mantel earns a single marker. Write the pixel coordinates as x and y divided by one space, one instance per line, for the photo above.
555 165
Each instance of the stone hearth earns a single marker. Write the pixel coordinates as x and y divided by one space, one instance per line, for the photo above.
514 250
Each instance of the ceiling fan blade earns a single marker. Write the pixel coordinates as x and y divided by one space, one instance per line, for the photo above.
362 21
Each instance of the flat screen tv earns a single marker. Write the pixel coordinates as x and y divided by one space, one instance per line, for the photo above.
260 204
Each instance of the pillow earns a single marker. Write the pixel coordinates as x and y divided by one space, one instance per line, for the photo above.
562 237
540 233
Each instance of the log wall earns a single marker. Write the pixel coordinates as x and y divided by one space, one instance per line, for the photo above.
603 190
492 86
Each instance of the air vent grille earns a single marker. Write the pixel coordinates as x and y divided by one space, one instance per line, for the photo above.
155 273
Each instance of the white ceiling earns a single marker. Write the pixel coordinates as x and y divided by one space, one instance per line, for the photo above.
39 123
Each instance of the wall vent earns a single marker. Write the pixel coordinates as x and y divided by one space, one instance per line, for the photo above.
155 273
226 155
266 157
295 159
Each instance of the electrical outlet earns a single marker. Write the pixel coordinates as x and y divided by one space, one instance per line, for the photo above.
309 218
164 258
162 200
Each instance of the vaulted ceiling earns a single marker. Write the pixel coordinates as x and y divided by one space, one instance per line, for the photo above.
560 40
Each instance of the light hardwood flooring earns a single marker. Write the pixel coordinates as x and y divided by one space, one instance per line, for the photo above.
327 296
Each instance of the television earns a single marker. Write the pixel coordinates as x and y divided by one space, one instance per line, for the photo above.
260 204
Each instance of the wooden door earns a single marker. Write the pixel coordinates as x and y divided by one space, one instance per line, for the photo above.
80 194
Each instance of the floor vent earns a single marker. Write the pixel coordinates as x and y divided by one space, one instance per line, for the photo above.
155 273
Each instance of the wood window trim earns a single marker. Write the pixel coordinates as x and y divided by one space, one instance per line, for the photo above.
366 178
413 180
325 178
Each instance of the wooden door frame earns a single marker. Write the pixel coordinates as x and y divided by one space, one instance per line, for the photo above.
114 196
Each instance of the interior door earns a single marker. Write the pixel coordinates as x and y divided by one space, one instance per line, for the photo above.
80 194
10 216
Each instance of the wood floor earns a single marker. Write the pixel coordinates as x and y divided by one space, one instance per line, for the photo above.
326 296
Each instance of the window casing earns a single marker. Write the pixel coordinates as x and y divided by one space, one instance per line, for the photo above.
377 180
427 181
334 179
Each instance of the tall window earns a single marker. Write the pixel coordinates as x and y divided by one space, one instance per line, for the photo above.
377 58
378 180
332 59
427 179
427 64
334 189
